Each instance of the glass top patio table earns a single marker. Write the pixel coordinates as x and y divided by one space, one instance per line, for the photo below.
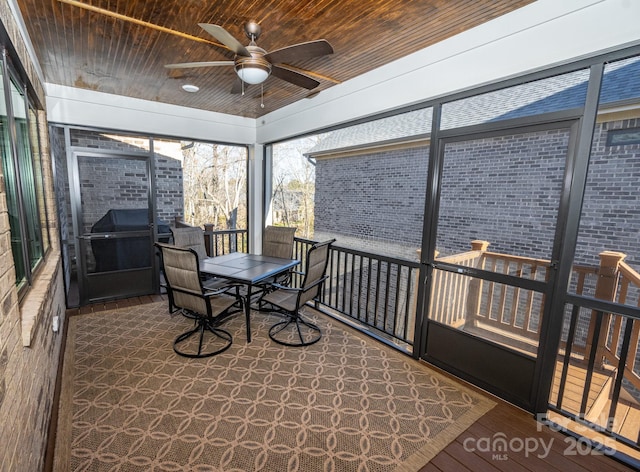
248 269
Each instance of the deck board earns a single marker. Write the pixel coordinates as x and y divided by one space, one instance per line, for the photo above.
516 423
445 462
574 386
628 420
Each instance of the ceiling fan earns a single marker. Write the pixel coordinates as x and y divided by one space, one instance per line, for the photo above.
254 65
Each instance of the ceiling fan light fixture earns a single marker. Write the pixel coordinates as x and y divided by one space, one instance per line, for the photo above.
252 70
252 75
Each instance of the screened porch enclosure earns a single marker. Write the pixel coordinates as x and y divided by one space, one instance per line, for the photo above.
477 233
493 234
118 193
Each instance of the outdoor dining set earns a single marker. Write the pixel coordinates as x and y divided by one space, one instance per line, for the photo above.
210 290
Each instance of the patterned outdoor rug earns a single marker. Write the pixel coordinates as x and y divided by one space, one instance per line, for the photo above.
347 403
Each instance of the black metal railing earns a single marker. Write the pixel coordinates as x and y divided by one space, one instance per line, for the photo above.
595 386
378 295
220 242
370 290
367 290
597 381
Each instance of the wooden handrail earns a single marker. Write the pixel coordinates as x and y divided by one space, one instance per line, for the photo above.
461 257
514 258
627 272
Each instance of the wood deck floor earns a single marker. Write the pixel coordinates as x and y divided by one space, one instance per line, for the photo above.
548 450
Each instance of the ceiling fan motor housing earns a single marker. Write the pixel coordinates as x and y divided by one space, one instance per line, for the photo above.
252 30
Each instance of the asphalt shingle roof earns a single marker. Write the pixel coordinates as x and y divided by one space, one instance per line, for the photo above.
621 82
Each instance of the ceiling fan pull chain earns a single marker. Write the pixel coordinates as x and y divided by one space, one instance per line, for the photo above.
261 95
242 81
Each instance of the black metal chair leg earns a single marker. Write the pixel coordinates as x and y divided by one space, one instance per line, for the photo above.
296 321
203 325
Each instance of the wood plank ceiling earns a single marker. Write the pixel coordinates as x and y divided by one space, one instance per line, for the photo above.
121 46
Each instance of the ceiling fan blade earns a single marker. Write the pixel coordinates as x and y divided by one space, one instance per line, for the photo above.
299 52
192 65
225 38
293 77
236 88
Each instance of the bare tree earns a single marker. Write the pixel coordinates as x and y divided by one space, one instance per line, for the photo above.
215 185
294 185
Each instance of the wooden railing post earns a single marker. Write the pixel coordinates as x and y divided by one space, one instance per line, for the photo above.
479 245
208 239
606 289
475 286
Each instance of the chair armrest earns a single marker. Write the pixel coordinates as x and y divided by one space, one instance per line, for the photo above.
299 289
218 291
285 287
317 282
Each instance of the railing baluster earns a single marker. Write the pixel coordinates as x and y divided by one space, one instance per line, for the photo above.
331 278
345 282
529 304
366 305
377 297
456 292
582 275
490 292
516 300
338 280
434 309
359 306
503 294
624 351
386 295
592 361
446 289
407 307
575 312
396 304
615 326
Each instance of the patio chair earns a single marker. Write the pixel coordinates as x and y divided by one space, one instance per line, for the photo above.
277 241
209 308
190 237
295 330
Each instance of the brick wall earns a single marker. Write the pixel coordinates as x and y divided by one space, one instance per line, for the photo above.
504 190
28 374
63 202
373 202
168 176
111 183
611 211
169 189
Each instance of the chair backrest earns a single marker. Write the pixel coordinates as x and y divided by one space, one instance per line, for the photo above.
182 274
277 241
316 265
190 237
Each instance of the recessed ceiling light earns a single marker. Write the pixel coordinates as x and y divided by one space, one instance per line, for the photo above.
190 88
